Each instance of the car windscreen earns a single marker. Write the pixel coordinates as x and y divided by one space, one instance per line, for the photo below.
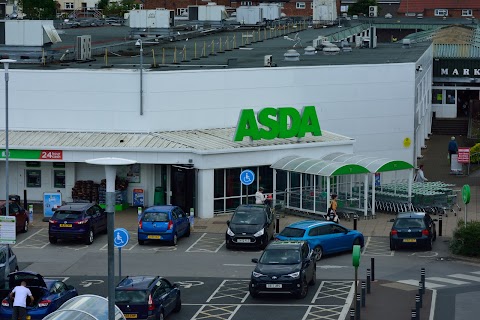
409 223
280 256
131 296
68 215
292 232
156 217
256 216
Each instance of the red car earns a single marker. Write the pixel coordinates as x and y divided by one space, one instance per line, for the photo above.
19 213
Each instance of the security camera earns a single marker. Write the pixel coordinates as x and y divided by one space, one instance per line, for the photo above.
138 43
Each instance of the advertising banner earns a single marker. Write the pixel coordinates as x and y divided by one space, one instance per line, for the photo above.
50 201
464 155
138 197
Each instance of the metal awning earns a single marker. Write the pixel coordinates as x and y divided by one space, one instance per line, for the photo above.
373 164
317 167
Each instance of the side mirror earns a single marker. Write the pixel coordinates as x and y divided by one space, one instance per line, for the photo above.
175 285
391 220
255 260
228 222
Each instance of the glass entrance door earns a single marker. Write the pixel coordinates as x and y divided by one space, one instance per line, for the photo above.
183 187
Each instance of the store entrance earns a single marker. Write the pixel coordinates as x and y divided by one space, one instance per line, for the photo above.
465 99
183 187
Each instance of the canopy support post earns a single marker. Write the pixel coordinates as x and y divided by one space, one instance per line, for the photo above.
365 196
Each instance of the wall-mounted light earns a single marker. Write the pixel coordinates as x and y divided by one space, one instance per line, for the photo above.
419 68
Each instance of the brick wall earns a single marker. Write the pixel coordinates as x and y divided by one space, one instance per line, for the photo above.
174 4
452 13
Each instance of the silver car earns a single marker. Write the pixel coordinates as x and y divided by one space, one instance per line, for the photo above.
3 263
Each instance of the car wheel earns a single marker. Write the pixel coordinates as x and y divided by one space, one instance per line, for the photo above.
228 245
314 276
393 247
356 242
174 240
160 316
25 226
178 305
52 240
318 252
16 268
187 233
141 242
254 293
264 242
302 293
89 239
434 234
429 244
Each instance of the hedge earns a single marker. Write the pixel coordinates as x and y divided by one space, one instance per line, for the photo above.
466 239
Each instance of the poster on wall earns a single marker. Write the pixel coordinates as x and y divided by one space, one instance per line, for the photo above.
131 173
138 197
50 201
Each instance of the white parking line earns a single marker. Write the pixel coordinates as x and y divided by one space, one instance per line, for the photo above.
465 277
19 245
428 285
63 279
348 302
447 280
318 292
203 235
238 265
216 290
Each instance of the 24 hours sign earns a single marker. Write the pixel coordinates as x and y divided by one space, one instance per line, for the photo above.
32 154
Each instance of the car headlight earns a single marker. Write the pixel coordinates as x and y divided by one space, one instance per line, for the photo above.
294 275
259 233
230 232
257 274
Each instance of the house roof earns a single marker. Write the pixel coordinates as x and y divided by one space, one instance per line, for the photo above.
418 6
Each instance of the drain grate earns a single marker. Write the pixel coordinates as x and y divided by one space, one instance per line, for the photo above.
444 259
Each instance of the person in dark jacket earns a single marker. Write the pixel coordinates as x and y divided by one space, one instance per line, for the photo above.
452 148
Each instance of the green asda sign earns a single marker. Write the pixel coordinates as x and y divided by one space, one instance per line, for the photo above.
271 123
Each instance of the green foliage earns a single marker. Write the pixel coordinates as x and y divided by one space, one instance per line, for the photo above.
116 8
102 4
39 9
361 6
466 240
475 153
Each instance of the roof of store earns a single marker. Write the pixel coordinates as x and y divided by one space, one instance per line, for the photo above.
373 164
186 140
180 54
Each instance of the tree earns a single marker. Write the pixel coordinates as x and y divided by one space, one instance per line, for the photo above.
39 9
361 6
103 4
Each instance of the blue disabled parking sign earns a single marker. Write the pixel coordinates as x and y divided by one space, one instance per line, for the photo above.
121 237
247 177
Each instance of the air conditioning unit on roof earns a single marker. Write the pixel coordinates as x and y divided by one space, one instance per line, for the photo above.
373 11
83 48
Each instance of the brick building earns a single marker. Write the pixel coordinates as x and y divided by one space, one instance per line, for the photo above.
441 8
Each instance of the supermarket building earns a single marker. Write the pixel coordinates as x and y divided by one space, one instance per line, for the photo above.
375 103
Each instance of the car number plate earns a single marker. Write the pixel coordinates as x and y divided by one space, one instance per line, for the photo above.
130 315
65 225
154 237
274 286
243 240
409 240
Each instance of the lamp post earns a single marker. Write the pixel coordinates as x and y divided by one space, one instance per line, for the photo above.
6 63
140 43
110 174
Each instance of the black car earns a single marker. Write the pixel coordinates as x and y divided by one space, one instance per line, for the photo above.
413 229
77 221
147 297
251 225
284 266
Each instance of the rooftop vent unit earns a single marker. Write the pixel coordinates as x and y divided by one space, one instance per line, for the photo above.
330 49
268 60
345 46
318 42
291 55
310 51
406 43
83 48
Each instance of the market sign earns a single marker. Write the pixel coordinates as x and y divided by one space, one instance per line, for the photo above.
463 155
32 154
456 68
271 123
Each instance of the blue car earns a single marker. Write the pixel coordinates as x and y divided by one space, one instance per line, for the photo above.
324 237
164 223
147 297
49 295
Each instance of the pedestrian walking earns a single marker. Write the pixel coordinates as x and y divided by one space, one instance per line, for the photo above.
420 176
332 210
259 196
452 148
19 295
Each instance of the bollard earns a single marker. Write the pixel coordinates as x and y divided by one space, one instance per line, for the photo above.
422 276
357 308
420 300
421 297
421 288
414 314
364 285
368 280
191 219
352 314
372 262
277 225
139 213
355 219
440 227
417 305
25 201
30 213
